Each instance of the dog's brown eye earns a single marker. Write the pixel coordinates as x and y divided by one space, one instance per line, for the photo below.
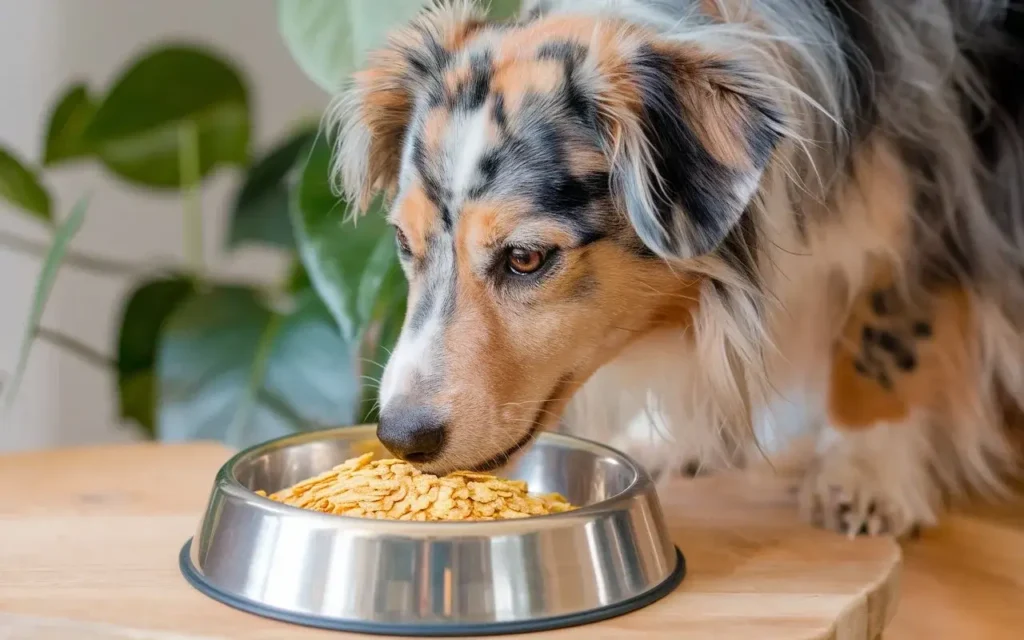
403 242
525 261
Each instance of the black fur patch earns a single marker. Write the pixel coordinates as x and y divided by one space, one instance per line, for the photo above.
571 55
883 379
695 184
946 254
489 165
868 335
535 162
562 195
471 94
879 303
1002 67
430 58
740 249
566 50
499 113
889 342
888 351
438 195
863 56
570 196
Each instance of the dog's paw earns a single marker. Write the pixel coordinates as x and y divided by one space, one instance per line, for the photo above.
846 496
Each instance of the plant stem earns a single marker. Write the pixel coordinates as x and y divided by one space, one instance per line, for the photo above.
192 221
73 345
96 264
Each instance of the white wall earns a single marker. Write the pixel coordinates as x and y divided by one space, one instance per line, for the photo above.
44 45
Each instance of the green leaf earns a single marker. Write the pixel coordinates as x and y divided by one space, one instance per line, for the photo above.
135 131
21 187
330 38
392 296
260 212
44 285
65 136
504 9
233 369
137 399
297 278
346 260
143 317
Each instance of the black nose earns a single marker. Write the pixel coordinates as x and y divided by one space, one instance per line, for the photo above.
411 432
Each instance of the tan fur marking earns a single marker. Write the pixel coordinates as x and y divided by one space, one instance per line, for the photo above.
712 8
454 78
385 110
434 127
417 217
460 34
526 40
507 351
942 373
518 77
855 400
586 161
875 205
484 224
453 31
385 91
718 116
480 359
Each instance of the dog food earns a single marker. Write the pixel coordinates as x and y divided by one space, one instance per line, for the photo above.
395 490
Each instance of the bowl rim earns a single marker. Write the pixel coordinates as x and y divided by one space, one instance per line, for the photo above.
225 479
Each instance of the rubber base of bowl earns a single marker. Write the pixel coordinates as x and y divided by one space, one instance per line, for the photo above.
198 581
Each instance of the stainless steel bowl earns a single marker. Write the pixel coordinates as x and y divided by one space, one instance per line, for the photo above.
611 556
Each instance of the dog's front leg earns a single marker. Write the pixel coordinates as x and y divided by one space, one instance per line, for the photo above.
904 415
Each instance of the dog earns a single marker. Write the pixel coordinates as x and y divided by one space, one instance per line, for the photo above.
706 231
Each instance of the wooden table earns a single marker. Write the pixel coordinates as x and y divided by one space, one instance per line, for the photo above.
89 540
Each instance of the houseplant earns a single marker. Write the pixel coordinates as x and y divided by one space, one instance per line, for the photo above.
197 356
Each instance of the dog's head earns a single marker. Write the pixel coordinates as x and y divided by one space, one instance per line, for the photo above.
547 181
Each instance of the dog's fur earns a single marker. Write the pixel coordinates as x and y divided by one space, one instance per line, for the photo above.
741 207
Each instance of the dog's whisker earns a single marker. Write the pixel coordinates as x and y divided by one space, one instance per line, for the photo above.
522 402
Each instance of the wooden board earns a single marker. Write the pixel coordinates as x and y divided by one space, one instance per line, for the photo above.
965 579
89 540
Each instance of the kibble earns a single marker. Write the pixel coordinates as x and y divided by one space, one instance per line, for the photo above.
395 490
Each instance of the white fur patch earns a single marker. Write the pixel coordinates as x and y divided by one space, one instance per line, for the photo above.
415 356
409 360
873 481
465 149
650 403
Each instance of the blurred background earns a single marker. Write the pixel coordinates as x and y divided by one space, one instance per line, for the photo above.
173 262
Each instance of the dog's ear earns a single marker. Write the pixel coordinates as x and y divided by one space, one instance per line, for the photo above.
372 115
690 138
